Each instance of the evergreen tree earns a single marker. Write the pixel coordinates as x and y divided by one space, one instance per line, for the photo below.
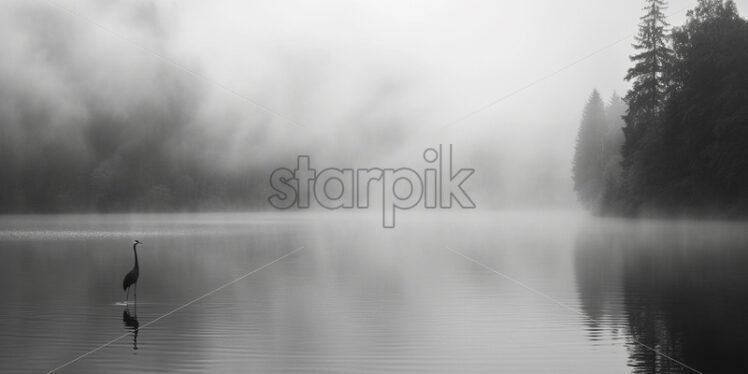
705 125
614 112
646 97
589 159
648 73
612 200
686 132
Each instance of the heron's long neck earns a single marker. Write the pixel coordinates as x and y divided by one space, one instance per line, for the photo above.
134 249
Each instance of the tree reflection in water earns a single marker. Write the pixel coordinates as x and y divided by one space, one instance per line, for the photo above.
677 287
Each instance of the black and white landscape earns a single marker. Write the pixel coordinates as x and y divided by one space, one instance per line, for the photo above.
374 186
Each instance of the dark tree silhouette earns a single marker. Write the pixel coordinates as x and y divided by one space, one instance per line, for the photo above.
686 134
613 199
647 94
589 159
614 112
705 124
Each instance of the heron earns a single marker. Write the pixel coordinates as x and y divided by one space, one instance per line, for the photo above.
132 277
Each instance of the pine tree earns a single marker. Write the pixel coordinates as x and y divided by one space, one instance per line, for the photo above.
647 95
704 158
614 112
612 199
685 129
645 101
589 159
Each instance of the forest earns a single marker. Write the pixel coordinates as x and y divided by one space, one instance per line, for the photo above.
681 145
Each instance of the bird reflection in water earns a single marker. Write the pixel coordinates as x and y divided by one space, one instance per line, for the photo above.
131 322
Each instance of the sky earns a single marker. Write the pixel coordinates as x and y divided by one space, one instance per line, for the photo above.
350 83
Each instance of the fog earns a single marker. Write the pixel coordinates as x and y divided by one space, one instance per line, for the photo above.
217 94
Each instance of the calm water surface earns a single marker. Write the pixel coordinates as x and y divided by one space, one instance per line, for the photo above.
483 292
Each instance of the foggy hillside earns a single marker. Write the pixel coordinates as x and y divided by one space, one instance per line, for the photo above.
129 106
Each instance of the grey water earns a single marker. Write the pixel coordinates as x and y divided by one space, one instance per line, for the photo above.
512 292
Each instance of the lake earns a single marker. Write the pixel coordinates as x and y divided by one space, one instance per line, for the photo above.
333 292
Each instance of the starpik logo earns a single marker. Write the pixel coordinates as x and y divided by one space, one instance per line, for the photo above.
402 188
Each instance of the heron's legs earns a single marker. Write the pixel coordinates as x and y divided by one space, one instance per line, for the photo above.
127 298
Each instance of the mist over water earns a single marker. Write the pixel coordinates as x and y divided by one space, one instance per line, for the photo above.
359 299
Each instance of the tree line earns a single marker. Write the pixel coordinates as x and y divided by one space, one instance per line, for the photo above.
684 147
149 160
